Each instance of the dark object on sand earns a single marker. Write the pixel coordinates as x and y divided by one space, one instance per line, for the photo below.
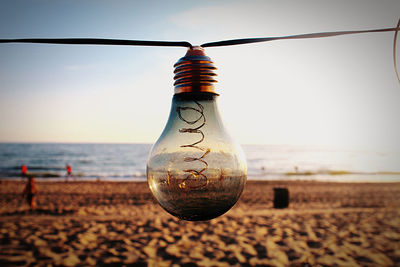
281 198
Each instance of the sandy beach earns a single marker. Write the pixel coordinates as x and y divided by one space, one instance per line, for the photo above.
120 224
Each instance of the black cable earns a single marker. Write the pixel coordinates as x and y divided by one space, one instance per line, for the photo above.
95 41
299 36
100 41
394 51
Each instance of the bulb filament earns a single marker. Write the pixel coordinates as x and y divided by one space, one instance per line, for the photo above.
192 173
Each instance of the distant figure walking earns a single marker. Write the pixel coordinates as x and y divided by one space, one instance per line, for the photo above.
69 172
24 171
31 191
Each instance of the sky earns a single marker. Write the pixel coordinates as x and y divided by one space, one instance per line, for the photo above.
339 91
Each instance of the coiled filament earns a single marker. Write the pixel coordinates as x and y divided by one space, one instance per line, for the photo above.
198 175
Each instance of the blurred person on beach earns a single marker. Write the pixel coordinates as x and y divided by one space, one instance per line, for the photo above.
31 191
69 172
24 170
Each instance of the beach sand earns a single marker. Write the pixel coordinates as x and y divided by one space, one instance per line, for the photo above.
120 224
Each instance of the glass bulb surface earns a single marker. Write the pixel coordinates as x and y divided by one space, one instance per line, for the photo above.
195 170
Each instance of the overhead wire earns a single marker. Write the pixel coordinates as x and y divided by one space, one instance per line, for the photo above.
96 41
297 36
123 42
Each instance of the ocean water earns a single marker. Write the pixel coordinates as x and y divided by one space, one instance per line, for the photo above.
265 162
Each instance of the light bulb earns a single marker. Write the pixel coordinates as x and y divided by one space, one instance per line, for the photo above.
195 170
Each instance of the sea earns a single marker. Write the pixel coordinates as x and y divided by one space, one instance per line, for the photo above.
127 162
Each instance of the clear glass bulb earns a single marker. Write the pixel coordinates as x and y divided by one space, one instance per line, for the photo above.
195 170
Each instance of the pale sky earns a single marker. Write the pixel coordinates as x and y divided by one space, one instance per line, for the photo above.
339 91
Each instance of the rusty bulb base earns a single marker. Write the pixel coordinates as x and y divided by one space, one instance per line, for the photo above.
194 73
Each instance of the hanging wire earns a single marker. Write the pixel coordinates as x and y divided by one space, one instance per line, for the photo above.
298 36
394 50
100 41
96 41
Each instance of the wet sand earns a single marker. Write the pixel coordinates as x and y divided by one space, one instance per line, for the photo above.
120 224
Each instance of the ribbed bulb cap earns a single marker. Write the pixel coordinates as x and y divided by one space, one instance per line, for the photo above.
194 72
